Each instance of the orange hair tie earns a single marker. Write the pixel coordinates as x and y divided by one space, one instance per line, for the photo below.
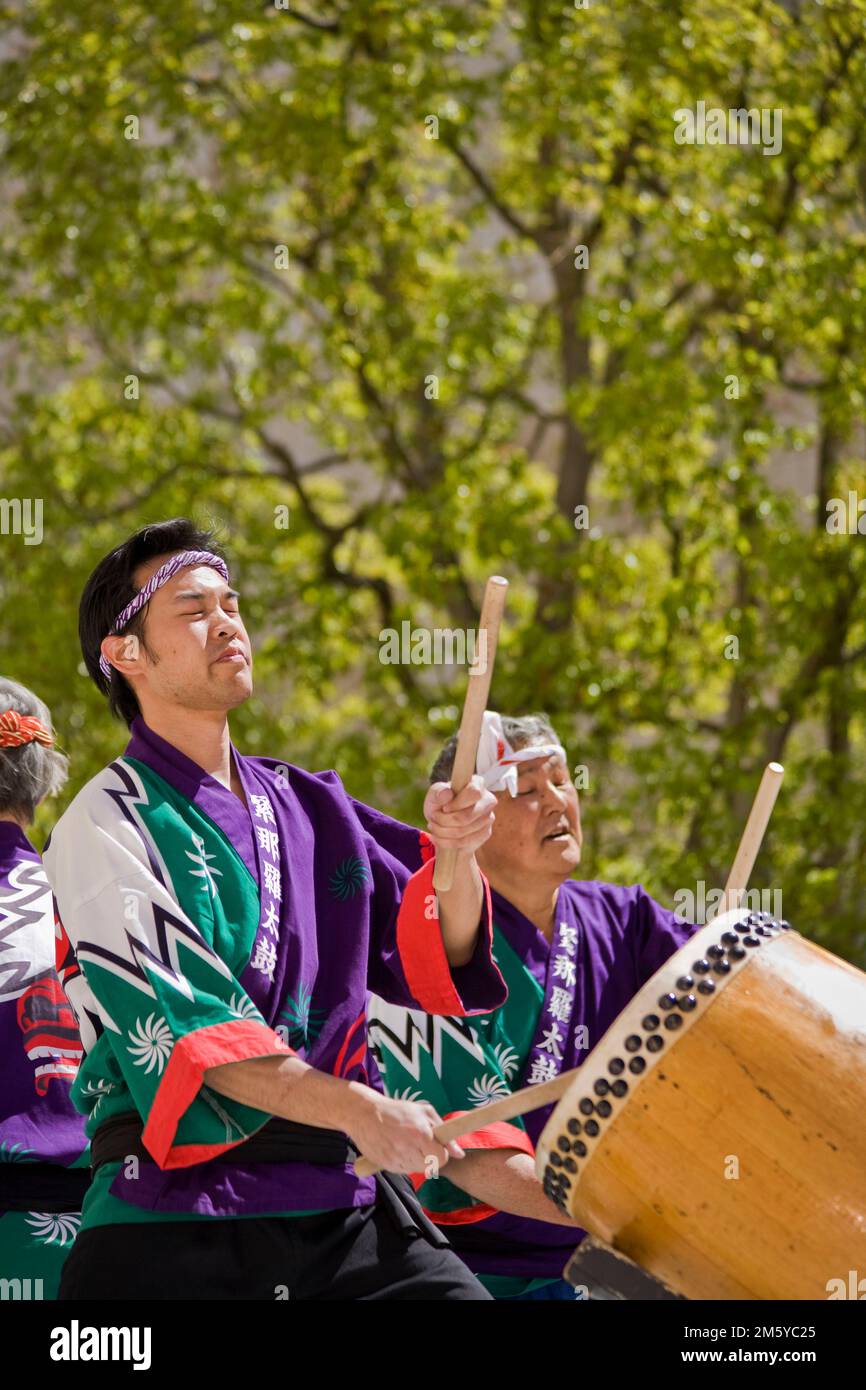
16 729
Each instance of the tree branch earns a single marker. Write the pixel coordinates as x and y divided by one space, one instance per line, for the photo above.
485 187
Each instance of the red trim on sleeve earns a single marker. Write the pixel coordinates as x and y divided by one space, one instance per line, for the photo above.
422 950
461 1216
499 1135
238 1040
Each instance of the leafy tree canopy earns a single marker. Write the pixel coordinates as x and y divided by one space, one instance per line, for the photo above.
438 277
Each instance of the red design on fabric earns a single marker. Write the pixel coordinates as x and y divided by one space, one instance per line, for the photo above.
50 1033
65 960
345 1046
422 950
356 1057
238 1040
426 845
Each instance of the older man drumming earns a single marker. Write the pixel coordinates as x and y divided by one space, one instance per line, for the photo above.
572 954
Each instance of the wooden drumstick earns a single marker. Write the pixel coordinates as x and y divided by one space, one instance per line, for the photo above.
518 1103
473 711
753 835
533 1097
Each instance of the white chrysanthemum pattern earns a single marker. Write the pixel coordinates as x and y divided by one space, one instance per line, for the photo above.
486 1088
507 1059
51 1228
151 1043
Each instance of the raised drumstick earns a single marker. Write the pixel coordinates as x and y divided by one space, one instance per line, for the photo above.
473 711
753 835
533 1097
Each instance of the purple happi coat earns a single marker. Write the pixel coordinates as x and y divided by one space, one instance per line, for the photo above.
200 929
40 1049
563 996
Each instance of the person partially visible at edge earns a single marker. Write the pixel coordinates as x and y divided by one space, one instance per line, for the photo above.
572 953
44 1156
223 918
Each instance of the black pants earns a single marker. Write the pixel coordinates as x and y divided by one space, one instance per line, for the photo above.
355 1253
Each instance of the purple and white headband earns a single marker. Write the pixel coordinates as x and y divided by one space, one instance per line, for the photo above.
181 561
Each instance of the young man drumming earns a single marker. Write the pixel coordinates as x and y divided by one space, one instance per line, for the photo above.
222 918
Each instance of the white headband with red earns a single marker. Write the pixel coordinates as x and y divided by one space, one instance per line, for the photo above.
497 761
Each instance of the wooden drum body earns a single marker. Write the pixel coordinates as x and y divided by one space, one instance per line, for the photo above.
717 1132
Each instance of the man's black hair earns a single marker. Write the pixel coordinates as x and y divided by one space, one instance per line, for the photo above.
110 588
